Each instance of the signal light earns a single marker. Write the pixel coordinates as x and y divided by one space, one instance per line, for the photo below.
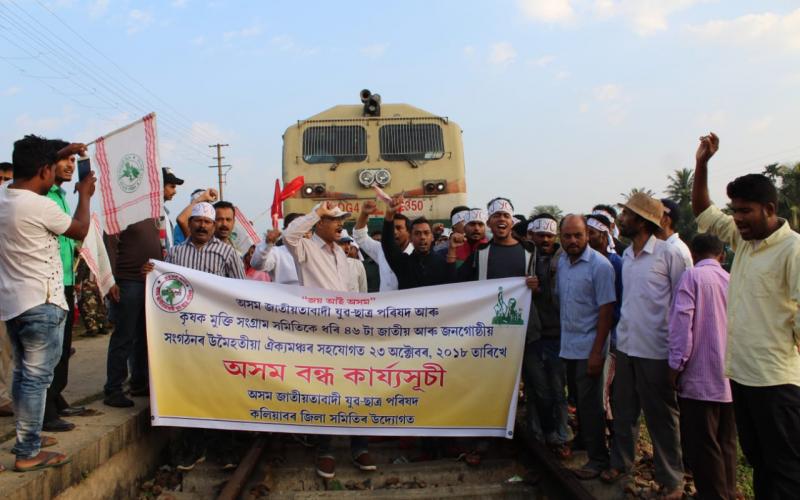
434 187
313 190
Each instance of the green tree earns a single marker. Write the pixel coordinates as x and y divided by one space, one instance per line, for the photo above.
679 189
787 180
633 191
553 210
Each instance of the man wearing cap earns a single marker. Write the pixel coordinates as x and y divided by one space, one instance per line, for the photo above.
762 359
272 256
202 252
587 296
544 369
127 252
181 231
358 275
171 183
402 237
668 233
651 272
321 263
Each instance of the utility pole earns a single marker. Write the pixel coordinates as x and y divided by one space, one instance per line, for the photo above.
219 166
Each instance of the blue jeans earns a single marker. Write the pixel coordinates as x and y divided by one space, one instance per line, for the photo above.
545 383
36 337
128 341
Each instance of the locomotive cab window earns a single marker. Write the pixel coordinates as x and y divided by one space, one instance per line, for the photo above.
411 142
335 144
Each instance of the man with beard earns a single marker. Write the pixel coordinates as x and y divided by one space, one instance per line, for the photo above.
651 271
669 229
544 369
422 267
586 294
762 358
474 226
401 230
321 263
224 221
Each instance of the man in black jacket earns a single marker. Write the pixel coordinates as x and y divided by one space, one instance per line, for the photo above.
422 267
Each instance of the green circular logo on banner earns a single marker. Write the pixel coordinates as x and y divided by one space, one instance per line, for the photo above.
130 172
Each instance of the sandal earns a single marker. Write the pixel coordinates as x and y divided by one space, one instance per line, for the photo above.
562 451
612 475
48 441
49 459
472 458
586 473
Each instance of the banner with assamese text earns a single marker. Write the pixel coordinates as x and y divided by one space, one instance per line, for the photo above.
246 355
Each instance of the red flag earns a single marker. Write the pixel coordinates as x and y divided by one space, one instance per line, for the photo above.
277 205
292 187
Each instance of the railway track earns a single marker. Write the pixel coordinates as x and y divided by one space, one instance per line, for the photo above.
278 467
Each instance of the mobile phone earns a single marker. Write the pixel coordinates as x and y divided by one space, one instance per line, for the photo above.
84 168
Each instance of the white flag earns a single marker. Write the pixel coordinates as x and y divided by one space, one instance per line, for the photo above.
130 176
244 234
94 253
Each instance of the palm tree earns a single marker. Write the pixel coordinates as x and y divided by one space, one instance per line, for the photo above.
648 192
553 210
679 188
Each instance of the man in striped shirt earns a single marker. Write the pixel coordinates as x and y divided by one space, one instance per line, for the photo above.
203 251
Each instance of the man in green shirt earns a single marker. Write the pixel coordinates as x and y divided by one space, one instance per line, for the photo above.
55 404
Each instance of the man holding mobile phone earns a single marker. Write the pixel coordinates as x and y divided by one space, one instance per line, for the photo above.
55 404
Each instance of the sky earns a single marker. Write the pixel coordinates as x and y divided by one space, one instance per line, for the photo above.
567 102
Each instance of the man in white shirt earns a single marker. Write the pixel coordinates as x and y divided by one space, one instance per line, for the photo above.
273 257
358 275
321 263
668 233
32 301
651 270
373 248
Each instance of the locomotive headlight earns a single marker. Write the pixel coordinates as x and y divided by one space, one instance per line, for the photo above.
366 178
383 177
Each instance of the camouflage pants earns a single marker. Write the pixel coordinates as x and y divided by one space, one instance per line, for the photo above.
93 309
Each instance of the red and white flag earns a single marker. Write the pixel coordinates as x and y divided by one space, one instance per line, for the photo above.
129 174
244 234
94 253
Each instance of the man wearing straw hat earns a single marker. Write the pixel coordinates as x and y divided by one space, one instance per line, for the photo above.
651 271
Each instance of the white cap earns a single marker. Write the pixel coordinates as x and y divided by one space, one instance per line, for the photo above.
336 213
204 209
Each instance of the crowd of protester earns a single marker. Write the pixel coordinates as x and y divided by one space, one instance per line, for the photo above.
625 318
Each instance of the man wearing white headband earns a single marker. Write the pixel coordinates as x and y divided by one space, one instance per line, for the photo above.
373 248
474 235
544 370
457 216
610 213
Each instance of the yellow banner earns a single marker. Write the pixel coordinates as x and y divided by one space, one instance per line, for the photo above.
246 355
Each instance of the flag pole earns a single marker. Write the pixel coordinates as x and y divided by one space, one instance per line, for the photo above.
121 129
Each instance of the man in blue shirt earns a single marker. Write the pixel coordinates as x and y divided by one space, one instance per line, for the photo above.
587 296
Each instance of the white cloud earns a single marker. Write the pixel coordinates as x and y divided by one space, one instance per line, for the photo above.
247 32
179 4
286 43
646 17
44 125
761 124
469 51
607 92
775 30
98 8
374 50
138 20
502 53
712 120
198 40
547 11
11 91
544 61
562 74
